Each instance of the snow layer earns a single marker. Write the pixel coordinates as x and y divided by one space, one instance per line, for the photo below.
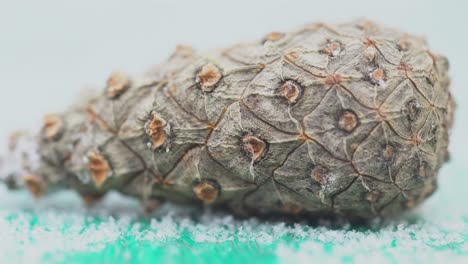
59 228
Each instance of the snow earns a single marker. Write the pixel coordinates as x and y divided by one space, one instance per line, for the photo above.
59 228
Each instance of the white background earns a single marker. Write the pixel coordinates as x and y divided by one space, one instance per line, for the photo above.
49 50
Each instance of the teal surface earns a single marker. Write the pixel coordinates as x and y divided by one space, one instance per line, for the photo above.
59 229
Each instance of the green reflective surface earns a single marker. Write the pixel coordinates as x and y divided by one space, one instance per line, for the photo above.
59 229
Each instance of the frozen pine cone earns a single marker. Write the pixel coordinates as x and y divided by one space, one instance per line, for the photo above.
350 119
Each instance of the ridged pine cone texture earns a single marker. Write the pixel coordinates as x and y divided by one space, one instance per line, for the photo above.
350 119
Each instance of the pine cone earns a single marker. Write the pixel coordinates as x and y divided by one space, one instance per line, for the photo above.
350 119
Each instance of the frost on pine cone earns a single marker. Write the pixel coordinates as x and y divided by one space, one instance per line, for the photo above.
349 119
